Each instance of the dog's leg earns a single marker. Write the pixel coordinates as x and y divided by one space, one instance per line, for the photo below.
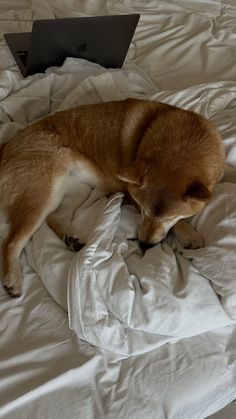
26 215
13 245
63 229
59 228
187 235
60 221
184 231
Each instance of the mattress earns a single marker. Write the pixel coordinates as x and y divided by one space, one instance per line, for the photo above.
105 332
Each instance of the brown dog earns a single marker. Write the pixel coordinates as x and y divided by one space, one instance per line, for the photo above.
167 159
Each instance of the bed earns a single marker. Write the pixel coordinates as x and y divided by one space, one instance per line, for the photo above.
105 332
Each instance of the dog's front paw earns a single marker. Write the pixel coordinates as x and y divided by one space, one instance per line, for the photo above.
73 243
187 235
12 287
193 241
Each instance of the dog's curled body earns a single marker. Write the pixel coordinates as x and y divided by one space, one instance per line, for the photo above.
167 159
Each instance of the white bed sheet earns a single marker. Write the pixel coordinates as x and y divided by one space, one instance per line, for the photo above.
45 371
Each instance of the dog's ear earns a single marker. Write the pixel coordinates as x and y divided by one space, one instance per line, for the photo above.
131 175
197 190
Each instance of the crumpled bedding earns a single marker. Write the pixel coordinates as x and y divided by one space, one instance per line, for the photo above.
161 327
127 303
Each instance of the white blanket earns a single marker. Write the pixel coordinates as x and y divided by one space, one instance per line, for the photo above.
173 310
127 303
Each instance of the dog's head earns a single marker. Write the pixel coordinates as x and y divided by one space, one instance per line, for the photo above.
163 199
172 162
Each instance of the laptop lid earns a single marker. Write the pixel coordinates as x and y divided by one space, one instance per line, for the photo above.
101 39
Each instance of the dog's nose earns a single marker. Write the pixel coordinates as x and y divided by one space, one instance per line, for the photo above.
145 246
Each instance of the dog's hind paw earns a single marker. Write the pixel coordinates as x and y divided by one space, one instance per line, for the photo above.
73 243
13 289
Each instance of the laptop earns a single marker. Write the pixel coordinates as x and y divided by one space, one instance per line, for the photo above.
102 39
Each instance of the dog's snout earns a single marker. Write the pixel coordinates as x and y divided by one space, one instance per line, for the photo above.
145 246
